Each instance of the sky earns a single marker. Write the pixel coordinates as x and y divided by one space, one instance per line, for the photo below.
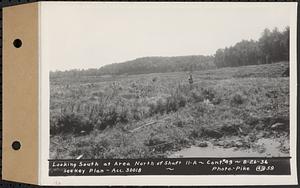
90 35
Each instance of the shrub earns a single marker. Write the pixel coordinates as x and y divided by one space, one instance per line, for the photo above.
111 117
158 143
54 127
209 93
152 109
237 99
135 113
71 123
216 100
212 133
196 133
108 119
154 140
157 107
182 100
196 96
175 101
161 106
252 120
205 94
171 105
103 115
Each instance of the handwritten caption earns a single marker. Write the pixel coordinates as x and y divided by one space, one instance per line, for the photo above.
172 166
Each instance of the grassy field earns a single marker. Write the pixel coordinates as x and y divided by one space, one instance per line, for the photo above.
155 115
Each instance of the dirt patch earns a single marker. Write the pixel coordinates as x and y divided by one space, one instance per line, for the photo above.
264 147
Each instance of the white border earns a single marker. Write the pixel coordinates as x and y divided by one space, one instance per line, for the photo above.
44 179
40 92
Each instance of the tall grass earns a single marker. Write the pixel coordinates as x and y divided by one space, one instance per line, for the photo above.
95 118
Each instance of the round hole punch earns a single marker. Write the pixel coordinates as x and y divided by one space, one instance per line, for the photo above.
16 145
17 43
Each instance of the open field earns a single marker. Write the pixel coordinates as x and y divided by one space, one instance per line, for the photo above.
161 114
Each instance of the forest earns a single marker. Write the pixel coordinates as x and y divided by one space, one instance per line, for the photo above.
272 46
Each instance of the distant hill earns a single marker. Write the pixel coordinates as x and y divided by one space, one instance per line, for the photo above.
159 64
146 65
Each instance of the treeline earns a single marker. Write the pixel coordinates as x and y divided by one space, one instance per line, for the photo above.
146 65
272 46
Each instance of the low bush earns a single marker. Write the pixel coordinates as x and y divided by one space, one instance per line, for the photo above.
111 116
169 104
154 140
71 123
237 99
232 127
157 107
201 95
196 133
212 133
196 96
208 93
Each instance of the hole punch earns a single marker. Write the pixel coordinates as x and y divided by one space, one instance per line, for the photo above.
17 43
16 145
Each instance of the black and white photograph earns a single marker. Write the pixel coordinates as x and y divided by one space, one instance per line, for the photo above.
169 81
150 93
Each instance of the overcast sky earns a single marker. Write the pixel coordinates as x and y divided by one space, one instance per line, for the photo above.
90 35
